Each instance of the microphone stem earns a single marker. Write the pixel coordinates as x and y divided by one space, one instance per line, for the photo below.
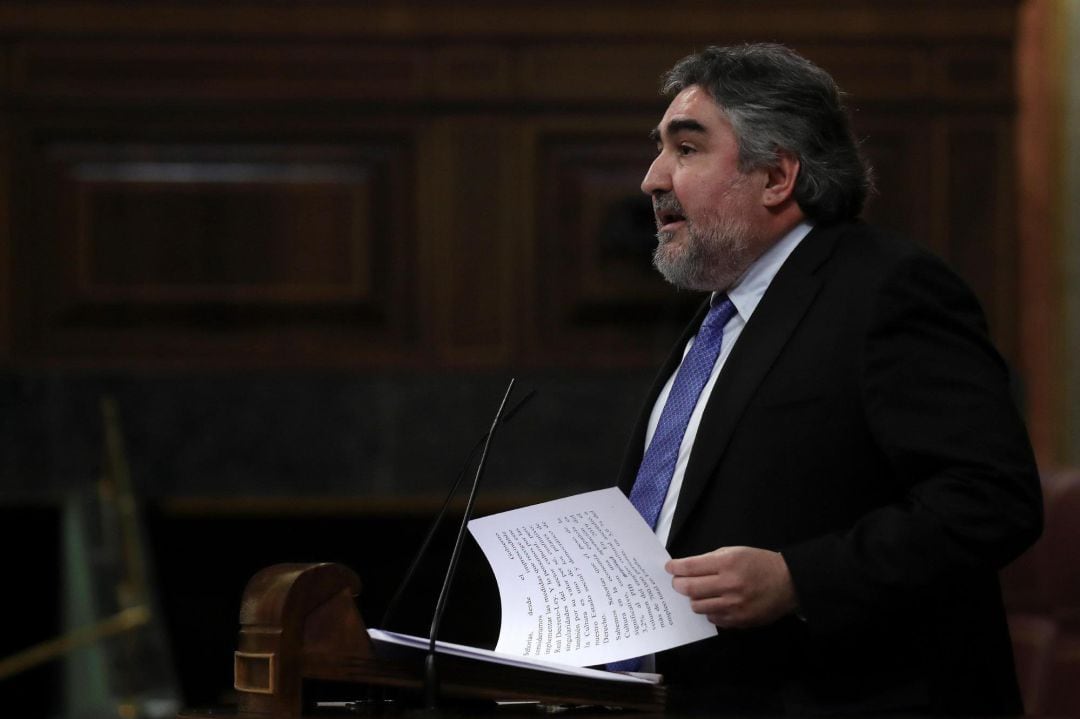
431 675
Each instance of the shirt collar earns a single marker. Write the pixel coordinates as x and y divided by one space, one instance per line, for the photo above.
750 288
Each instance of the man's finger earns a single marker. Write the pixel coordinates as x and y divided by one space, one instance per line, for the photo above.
710 585
694 566
713 605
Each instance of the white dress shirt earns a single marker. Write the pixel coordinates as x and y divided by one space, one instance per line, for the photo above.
745 295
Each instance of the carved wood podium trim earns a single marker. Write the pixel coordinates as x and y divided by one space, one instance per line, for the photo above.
254 672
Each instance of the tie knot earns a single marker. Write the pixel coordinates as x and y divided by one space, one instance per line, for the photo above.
722 310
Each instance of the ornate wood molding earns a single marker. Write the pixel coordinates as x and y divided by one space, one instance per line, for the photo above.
424 185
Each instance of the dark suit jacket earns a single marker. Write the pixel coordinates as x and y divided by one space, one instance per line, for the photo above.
863 427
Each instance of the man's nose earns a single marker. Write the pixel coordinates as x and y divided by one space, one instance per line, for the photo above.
658 178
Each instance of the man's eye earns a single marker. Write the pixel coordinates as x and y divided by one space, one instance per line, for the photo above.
685 150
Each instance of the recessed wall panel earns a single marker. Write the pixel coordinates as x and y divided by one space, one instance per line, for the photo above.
189 239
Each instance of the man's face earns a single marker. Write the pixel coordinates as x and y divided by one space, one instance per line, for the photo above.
708 213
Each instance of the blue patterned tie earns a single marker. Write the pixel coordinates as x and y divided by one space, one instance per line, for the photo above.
658 465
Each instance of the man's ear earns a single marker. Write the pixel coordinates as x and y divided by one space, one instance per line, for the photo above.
780 179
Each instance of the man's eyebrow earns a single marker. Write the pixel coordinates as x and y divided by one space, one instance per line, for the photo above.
676 126
684 125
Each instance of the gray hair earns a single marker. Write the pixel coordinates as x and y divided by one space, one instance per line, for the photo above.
778 100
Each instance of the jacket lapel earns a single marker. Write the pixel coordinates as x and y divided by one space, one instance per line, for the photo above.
776 317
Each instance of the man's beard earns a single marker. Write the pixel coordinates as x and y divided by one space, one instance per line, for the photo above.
712 257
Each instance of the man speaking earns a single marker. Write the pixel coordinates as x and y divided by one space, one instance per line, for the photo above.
831 452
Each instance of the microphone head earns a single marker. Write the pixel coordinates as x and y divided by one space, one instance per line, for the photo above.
520 403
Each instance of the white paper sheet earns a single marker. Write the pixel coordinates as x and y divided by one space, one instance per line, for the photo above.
582 582
486 655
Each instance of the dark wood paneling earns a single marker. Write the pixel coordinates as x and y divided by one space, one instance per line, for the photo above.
974 72
144 246
598 297
881 72
477 269
414 185
687 21
981 224
598 71
472 71
899 149
215 70
152 231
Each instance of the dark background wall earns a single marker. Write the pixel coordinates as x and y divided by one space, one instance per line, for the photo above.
305 244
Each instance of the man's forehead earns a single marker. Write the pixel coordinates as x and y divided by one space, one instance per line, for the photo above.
692 110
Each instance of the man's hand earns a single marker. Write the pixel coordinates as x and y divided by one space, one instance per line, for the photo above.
736 587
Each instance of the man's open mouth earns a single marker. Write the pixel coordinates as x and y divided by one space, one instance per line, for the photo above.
668 217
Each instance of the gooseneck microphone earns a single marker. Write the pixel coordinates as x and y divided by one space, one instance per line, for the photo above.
431 676
395 601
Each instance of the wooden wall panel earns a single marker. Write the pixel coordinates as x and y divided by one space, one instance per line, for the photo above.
968 72
472 71
598 297
899 148
981 221
140 247
433 187
612 71
677 20
72 69
879 72
476 242
152 231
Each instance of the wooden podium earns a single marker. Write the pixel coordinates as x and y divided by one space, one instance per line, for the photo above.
299 624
